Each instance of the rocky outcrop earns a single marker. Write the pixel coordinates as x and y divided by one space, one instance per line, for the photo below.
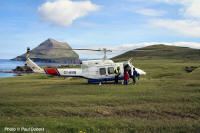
22 69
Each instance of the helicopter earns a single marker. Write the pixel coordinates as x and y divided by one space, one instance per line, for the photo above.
92 70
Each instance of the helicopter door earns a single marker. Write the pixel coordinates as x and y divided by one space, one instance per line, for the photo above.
110 71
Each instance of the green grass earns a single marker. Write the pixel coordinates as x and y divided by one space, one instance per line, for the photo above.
166 100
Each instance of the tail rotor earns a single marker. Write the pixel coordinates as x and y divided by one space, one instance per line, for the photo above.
130 60
28 52
31 64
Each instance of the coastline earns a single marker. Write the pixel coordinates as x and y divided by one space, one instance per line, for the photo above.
7 71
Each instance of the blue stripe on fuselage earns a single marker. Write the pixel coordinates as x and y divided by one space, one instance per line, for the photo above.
103 79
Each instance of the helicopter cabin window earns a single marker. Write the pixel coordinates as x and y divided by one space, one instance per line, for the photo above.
102 71
111 70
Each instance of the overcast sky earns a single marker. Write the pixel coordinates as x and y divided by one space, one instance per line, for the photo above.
116 24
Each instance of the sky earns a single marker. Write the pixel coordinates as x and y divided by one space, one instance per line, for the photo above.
114 24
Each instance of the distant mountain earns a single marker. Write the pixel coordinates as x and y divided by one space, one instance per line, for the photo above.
52 51
162 51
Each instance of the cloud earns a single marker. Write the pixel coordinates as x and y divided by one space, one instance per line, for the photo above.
195 45
64 12
184 27
189 25
150 12
191 8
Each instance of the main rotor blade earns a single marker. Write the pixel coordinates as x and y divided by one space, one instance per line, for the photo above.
94 49
132 50
87 49
82 49
90 49
142 50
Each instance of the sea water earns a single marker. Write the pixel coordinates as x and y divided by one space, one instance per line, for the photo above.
6 64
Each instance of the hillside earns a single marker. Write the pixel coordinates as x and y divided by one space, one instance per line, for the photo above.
52 51
162 52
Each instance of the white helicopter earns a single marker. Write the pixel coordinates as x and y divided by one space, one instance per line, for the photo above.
93 70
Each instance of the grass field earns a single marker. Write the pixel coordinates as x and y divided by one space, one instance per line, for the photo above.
166 100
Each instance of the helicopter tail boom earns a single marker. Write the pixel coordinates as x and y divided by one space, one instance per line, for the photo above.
66 72
54 71
34 66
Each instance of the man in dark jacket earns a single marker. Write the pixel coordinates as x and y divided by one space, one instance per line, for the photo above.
135 74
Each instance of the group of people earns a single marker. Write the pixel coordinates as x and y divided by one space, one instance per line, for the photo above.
127 75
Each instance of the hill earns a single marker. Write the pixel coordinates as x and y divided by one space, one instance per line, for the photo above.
52 51
162 51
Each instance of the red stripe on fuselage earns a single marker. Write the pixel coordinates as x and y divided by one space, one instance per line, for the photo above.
52 71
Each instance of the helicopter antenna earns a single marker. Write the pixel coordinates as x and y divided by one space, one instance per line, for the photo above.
27 54
130 59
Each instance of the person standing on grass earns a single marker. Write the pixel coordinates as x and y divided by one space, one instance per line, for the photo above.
117 73
135 74
126 77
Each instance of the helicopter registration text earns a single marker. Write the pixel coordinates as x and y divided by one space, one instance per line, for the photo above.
70 72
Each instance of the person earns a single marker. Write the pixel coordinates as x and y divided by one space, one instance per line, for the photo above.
117 73
130 72
126 77
126 68
135 74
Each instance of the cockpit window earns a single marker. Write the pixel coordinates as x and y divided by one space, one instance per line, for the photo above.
102 71
110 70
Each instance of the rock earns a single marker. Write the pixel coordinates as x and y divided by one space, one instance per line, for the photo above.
190 69
22 69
